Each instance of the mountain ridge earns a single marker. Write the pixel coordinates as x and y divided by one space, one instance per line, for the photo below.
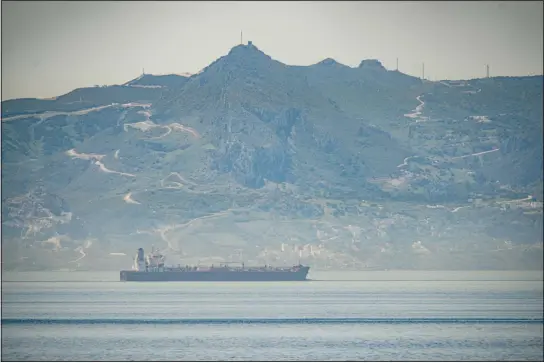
374 168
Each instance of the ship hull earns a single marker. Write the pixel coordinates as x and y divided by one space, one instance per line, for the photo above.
149 276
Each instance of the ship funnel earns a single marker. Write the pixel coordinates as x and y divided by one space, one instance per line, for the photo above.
140 254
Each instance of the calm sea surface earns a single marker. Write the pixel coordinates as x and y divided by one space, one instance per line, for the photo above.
375 315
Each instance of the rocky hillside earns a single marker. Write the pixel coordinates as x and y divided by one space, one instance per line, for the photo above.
341 167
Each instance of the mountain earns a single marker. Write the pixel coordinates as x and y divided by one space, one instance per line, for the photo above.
341 167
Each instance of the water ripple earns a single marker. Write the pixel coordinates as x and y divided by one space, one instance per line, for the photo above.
283 321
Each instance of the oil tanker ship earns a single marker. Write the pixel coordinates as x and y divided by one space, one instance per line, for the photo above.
152 268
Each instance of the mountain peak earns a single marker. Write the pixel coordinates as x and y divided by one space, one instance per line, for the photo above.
371 64
329 62
242 56
246 49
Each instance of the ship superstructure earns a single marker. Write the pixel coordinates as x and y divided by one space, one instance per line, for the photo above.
153 262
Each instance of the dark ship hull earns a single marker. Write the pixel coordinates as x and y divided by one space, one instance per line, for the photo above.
217 275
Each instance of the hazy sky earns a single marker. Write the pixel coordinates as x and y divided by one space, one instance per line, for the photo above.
50 48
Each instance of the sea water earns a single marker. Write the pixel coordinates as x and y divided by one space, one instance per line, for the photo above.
373 315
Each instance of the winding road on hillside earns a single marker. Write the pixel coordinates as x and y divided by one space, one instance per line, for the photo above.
416 114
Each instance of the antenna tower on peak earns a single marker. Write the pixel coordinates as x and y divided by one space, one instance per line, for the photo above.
241 38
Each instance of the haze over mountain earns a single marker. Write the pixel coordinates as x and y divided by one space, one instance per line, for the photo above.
338 166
